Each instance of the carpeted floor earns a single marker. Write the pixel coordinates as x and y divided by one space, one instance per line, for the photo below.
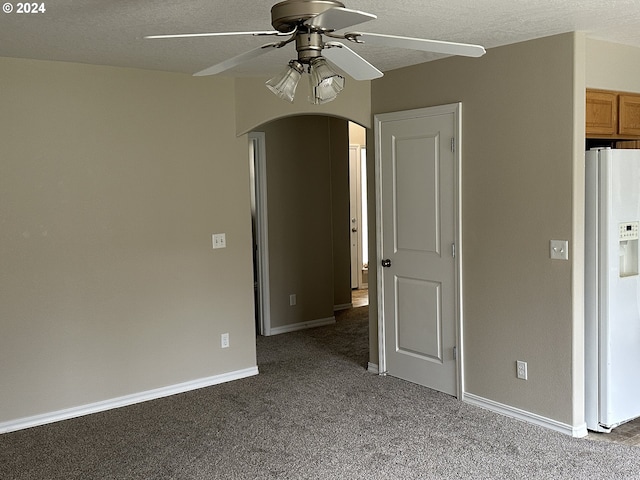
314 412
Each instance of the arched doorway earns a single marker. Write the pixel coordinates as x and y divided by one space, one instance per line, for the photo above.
302 221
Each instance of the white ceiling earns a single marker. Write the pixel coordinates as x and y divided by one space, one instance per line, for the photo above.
110 32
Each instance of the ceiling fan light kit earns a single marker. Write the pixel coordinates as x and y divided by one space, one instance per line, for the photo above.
284 85
326 84
306 22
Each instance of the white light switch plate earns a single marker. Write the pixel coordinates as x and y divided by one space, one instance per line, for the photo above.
559 249
219 240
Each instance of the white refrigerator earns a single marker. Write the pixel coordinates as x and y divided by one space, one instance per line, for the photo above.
612 288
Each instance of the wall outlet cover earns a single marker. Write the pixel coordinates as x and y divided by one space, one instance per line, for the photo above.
559 249
521 370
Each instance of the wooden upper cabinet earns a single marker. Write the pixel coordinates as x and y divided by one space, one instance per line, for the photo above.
629 114
612 114
601 113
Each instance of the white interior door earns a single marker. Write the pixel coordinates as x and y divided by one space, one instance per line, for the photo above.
418 179
355 208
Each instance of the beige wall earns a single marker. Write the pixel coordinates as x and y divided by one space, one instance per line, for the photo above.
612 66
111 184
300 219
519 156
340 213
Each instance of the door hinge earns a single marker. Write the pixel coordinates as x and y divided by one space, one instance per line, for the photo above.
453 145
453 250
455 352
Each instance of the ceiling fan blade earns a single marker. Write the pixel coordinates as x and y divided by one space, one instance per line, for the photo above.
238 59
350 62
338 18
216 34
435 46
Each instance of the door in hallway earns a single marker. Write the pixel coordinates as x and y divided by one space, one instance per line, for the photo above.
355 209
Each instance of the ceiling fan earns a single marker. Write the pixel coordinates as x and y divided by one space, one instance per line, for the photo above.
308 22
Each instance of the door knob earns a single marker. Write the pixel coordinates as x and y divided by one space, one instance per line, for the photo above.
386 263
354 230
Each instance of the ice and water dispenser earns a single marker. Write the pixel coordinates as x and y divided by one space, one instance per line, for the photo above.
628 238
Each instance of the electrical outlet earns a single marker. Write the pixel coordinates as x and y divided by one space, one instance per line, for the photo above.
292 300
559 250
521 370
224 340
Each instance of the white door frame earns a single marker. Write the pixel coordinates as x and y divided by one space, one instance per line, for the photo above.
258 155
456 109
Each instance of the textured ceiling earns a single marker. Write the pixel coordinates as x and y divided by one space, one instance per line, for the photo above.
110 32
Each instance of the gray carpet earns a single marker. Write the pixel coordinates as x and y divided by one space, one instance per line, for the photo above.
312 413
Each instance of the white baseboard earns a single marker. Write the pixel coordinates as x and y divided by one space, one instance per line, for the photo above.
294 327
577 432
66 414
373 368
343 306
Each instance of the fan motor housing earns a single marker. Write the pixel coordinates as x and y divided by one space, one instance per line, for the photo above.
286 15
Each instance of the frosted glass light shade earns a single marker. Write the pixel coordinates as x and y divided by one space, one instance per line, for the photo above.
325 82
284 85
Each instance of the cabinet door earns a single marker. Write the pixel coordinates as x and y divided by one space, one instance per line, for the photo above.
601 113
629 115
